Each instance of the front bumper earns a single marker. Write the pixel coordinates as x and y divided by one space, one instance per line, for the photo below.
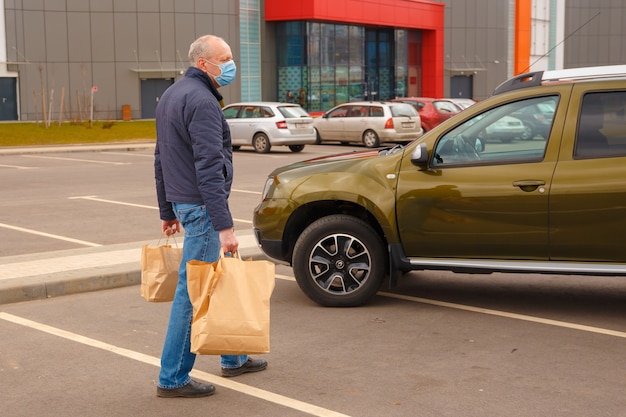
271 248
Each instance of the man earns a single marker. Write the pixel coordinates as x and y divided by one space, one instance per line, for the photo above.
194 173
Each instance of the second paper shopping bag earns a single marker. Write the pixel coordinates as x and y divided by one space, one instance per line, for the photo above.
231 305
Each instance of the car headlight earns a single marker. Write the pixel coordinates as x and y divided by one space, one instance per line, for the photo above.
268 185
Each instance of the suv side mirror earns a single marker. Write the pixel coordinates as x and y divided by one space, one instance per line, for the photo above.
419 157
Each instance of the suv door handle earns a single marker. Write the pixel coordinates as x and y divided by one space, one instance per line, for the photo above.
528 185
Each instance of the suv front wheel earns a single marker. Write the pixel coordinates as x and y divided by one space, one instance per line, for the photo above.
339 261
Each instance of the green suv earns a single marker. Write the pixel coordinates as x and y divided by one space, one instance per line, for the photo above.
551 203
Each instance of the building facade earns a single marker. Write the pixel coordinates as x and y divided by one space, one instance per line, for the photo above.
60 53
334 51
112 59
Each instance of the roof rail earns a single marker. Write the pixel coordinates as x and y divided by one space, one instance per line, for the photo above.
531 79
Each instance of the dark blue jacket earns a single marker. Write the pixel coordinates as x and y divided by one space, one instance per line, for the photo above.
193 156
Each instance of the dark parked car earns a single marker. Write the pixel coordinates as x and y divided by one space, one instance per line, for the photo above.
537 119
555 206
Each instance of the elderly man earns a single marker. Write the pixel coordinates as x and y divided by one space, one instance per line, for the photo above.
194 174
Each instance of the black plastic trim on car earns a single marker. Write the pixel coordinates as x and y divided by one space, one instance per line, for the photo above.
399 262
271 248
529 79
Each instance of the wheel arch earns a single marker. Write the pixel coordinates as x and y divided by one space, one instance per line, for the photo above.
307 214
267 139
258 132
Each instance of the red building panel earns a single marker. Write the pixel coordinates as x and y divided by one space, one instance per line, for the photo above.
407 14
412 14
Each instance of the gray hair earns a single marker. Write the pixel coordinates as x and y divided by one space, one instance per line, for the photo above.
202 48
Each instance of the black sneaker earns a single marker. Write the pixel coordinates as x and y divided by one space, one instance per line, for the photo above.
192 390
251 365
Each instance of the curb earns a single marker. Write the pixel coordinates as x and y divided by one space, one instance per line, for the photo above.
118 146
18 289
18 285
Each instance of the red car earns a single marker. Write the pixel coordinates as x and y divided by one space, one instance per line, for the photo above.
432 111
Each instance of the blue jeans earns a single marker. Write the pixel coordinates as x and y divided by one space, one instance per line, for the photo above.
202 242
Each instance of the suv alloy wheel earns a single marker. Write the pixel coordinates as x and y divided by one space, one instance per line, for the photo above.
339 257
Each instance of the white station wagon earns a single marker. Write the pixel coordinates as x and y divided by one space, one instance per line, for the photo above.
369 123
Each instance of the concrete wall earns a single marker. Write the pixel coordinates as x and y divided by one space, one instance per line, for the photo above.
477 43
594 33
64 47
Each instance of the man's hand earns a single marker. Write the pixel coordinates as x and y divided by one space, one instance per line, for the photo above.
228 241
169 227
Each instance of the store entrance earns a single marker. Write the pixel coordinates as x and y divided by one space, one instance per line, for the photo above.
379 60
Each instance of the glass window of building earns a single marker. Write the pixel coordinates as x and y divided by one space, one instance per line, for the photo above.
292 62
250 50
326 64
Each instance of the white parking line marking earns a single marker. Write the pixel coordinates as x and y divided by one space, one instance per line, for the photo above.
122 203
285 277
246 155
76 159
17 167
35 232
515 316
151 360
144 155
245 191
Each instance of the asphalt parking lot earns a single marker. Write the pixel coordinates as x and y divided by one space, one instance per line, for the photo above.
439 345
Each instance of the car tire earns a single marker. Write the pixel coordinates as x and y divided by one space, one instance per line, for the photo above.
296 148
236 147
261 143
370 139
318 138
339 261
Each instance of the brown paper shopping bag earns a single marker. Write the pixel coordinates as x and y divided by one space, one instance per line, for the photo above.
231 305
159 271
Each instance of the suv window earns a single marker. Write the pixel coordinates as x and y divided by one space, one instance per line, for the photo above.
601 125
467 143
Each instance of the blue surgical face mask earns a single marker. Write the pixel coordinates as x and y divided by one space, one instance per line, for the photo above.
228 71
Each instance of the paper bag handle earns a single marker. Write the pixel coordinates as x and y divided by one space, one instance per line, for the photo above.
167 239
235 254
